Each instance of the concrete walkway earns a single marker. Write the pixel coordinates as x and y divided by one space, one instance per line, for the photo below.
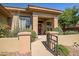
38 49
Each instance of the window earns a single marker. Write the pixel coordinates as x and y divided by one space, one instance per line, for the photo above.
49 26
25 22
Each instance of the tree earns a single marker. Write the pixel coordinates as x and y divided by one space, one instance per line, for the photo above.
69 17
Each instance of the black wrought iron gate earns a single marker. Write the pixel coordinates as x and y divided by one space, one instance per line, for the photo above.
52 43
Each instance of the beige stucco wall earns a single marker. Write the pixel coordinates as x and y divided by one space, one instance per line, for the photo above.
68 40
3 19
20 45
25 43
9 44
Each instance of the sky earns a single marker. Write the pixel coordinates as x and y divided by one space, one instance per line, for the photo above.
59 6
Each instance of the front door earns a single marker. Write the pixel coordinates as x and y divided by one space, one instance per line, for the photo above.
39 29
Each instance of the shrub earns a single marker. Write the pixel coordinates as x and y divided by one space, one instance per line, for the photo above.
58 29
70 32
33 35
3 30
62 50
13 33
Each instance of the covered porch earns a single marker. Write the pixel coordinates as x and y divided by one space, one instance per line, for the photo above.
44 22
43 19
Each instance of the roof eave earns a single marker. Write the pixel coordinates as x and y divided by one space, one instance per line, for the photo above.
44 9
6 12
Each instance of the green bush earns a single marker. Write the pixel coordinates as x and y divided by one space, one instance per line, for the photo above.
33 35
3 30
14 33
3 33
70 32
62 50
58 29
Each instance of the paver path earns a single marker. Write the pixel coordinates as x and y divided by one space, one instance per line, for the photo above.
38 49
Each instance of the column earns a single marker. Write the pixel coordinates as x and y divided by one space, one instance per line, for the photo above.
35 23
15 22
25 43
55 22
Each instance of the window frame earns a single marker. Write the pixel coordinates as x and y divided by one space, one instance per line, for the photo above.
26 20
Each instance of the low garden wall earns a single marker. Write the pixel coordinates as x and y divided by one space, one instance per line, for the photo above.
9 44
20 45
68 40
65 43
